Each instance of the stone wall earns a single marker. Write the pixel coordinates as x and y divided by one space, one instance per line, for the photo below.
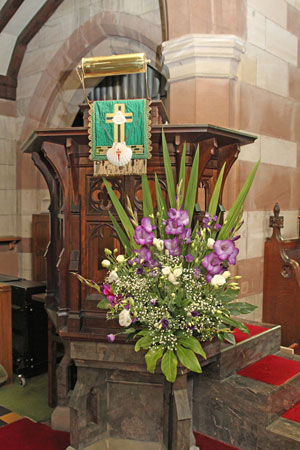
237 66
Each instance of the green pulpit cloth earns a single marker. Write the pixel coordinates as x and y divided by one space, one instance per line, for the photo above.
124 121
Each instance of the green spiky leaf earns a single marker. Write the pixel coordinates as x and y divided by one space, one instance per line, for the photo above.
182 170
147 199
191 192
128 227
122 236
236 208
168 172
214 201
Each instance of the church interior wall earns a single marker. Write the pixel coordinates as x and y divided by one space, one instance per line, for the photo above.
232 63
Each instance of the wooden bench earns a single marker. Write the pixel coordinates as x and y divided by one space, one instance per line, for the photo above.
281 294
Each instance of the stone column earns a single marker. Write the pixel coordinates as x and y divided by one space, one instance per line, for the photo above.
203 72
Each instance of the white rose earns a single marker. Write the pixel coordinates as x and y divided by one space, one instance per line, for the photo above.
159 244
166 270
226 274
177 272
113 276
120 258
172 279
105 263
218 280
124 318
210 243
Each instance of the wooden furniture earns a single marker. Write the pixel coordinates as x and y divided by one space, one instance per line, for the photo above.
80 231
281 294
40 241
10 240
6 330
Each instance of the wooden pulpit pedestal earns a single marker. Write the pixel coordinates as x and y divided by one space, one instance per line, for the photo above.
108 381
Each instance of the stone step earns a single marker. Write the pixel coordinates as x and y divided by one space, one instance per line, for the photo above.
286 429
233 358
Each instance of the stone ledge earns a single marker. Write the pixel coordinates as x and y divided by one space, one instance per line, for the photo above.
203 55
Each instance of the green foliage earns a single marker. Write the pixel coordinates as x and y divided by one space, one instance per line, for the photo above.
188 358
169 172
121 213
147 199
122 236
238 204
182 171
214 201
143 342
103 304
169 364
192 188
151 358
193 344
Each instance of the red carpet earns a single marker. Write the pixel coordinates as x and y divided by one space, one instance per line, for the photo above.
293 413
253 329
27 435
272 370
208 443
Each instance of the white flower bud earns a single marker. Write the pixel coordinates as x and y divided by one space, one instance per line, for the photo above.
105 263
120 258
113 276
159 244
172 279
226 274
166 270
124 318
210 243
218 280
177 272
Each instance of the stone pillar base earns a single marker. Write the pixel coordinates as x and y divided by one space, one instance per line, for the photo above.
60 418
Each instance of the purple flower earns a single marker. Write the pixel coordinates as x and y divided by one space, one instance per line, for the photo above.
212 264
142 236
232 257
153 301
174 227
140 271
164 323
144 233
208 277
172 245
195 313
186 235
189 258
217 226
214 218
196 272
206 219
236 237
224 248
184 218
147 225
144 253
110 337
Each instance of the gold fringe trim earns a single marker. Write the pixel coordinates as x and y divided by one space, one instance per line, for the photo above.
134 167
90 132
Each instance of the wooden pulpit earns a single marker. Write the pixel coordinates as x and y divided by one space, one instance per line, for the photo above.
106 376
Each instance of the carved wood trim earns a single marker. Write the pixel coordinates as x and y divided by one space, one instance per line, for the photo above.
7 11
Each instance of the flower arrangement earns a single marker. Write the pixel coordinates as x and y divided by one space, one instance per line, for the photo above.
172 288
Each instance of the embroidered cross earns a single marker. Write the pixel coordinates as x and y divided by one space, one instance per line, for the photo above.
119 118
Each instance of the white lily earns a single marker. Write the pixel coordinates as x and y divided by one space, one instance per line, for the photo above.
124 318
210 243
113 276
218 280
